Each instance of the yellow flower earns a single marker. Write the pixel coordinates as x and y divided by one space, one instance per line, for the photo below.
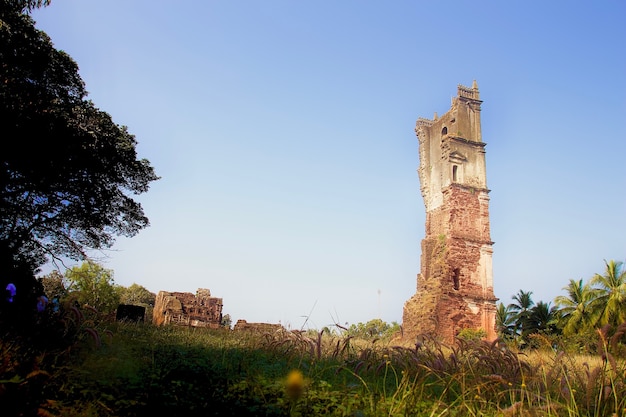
295 384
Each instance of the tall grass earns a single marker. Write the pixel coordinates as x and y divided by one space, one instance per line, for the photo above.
120 369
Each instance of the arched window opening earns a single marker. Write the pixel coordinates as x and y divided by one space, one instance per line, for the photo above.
444 131
455 169
455 278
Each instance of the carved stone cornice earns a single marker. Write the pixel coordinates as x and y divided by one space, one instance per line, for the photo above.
467 188
422 121
466 141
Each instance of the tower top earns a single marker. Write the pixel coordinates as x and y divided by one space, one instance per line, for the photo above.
467 92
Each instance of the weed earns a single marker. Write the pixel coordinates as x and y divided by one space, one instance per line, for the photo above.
99 368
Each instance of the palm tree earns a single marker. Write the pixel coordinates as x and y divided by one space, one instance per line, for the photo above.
521 308
574 309
610 294
541 317
505 322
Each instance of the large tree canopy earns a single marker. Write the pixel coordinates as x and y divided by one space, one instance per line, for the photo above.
68 173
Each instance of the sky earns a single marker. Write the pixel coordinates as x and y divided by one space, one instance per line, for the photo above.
283 133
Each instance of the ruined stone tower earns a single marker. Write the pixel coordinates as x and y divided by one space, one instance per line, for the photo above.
455 283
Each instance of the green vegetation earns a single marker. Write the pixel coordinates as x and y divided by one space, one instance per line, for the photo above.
77 361
136 295
93 285
577 316
72 359
568 360
123 369
373 330
69 178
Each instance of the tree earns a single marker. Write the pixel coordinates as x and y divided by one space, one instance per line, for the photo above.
136 295
609 302
541 318
93 285
374 329
54 285
505 321
575 312
521 309
25 5
68 178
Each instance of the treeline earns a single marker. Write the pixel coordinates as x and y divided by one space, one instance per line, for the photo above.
586 310
90 284
93 286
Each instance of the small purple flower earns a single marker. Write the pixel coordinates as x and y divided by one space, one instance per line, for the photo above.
11 290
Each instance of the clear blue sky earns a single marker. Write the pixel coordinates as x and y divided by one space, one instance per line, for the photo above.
283 133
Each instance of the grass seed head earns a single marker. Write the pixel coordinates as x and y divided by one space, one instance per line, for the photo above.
294 386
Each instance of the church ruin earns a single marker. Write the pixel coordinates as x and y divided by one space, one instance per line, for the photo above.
187 309
455 283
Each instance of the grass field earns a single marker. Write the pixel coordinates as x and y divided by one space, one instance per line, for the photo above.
140 370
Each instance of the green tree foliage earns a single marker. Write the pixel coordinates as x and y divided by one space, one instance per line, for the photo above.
93 285
575 310
136 295
373 329
25 5
54 285
523 317
68 178
521 306
470 334
541 318
505 322
609 300
588 307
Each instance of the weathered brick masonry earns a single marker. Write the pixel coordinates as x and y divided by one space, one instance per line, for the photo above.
187 309
455 283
